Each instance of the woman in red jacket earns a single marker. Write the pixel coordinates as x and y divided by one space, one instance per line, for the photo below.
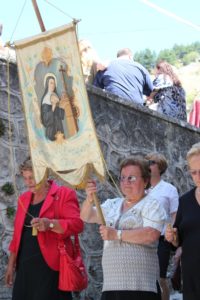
36 257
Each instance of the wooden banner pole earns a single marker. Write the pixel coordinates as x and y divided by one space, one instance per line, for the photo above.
99 210
38 15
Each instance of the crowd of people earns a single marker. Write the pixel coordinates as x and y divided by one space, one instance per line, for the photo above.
130 80
143 225
139 235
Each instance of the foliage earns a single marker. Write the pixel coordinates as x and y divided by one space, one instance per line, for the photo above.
146 58
167 55
8 188
190 98
190 57
2 128
179 55
10 212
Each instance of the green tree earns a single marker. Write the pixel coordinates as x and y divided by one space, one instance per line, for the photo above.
196 47
147 58
179 51
168 55
190 57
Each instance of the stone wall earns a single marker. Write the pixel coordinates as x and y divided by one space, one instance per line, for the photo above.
123 129
13 144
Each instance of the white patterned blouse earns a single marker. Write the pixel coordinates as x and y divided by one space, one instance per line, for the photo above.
128 266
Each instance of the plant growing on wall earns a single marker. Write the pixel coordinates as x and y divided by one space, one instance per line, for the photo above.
8 188
2 128
10 212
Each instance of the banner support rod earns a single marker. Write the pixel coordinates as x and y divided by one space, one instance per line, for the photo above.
38 15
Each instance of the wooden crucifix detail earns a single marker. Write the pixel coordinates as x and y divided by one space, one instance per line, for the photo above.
67 103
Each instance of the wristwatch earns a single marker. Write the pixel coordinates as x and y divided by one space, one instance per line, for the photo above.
51 225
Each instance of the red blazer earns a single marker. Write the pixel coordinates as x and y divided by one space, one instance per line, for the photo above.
60 200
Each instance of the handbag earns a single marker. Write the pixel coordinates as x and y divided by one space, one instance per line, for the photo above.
72 272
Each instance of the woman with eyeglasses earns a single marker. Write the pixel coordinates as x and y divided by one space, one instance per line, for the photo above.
133 226
167 195
186 231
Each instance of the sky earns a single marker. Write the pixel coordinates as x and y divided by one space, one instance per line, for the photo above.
108 24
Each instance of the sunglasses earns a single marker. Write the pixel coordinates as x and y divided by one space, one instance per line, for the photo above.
129 179
152 162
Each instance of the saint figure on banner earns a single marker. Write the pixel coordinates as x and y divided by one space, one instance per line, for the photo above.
51 114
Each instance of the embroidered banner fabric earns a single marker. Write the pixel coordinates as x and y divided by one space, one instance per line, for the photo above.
60 127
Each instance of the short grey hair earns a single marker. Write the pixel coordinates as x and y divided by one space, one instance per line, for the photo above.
124 51
26 165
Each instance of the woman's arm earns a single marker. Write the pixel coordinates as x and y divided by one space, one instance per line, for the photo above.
66 219
44 224
141 236
10 269
88 212
173 217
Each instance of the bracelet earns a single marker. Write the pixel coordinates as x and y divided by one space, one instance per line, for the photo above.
119 235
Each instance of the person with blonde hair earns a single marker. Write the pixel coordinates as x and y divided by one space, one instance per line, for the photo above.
186 231
167 195
90 61
46 213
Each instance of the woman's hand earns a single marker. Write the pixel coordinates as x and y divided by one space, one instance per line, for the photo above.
149 100
41 224
108 233
88 212
9 276
171 234
91 188
10 270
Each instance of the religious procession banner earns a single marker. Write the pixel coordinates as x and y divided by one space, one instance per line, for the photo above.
60 127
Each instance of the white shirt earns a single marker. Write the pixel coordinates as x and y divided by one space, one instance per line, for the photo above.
167 195
129 266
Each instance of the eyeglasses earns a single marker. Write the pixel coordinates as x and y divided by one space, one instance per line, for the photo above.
152 162
129 179
195 172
